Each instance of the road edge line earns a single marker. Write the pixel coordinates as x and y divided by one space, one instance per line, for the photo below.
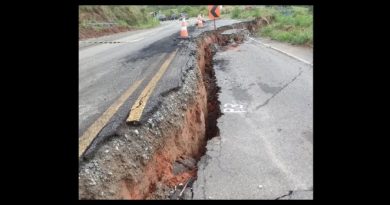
293 56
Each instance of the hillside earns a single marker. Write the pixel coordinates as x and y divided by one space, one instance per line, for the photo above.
95 21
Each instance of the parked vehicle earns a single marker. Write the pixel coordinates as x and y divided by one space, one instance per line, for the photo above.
173 17
161 17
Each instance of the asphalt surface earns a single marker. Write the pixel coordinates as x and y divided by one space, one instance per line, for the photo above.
106 70
303 52
265 146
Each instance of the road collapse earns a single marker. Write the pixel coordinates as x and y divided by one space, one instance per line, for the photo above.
157 159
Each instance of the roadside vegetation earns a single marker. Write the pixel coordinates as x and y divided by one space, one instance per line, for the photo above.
292 24
191 11
101 20
95 21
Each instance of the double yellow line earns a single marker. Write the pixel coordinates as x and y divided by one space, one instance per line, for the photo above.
89 135
136 111
139 105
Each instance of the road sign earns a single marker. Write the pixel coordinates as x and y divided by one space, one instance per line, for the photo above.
214 12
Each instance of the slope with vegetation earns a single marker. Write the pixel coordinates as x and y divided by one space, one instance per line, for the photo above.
191 11
292 24
97 21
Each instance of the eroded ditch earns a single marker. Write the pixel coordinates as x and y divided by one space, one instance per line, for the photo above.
157 160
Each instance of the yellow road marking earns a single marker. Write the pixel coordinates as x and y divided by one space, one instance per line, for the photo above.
90 134
139 105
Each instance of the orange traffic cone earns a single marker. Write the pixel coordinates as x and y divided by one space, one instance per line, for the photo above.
183 31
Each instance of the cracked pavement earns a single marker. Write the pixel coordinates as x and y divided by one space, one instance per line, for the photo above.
265 147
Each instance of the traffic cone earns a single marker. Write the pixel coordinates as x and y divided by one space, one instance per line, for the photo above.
183 30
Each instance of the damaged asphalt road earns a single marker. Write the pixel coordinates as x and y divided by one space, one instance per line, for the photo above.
106 71
261 149
265 146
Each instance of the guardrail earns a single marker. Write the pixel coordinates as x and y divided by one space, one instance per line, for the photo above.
103 24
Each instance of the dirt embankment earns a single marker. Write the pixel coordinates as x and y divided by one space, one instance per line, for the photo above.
157 160
96 21
86 33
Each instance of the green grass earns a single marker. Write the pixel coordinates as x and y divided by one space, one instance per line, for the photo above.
149 24
292 24
132 17
236 13
192 10
293 36
240 12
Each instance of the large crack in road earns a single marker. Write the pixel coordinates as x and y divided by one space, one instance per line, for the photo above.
157 159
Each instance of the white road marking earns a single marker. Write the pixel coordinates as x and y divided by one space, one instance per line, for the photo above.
233 108
135 40
269 46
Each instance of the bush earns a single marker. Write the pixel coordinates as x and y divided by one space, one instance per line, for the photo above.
256 12
295 27
235 13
